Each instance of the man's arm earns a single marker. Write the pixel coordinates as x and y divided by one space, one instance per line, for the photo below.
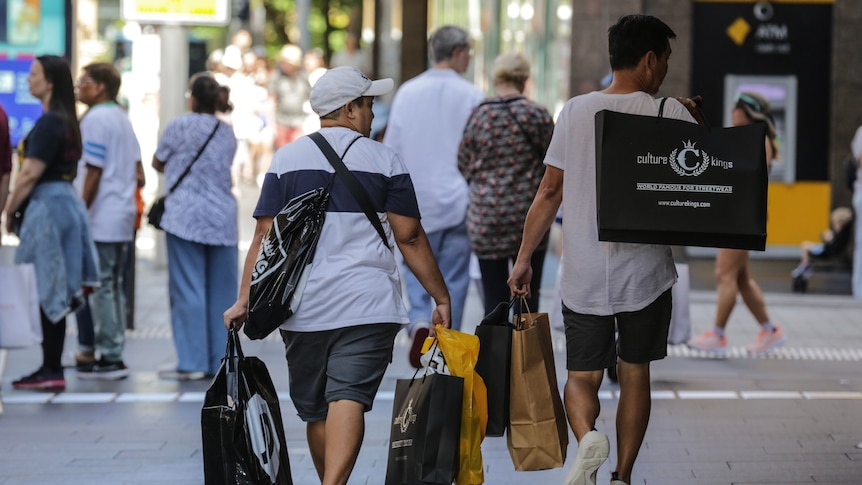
159 165
30 172
539 219
91 184
413 244
4 188
235 315
140 175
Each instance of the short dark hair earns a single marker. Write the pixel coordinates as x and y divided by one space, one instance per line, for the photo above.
205 90
107 74
360 101
633 36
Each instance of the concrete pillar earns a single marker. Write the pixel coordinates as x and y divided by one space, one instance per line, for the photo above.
174 80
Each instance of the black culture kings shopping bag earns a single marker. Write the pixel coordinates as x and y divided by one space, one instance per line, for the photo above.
667 181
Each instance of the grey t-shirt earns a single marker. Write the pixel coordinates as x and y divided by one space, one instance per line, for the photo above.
603 278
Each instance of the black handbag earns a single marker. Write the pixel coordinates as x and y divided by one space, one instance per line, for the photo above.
285 256
425 433
494 365
667 181
157 210
241 424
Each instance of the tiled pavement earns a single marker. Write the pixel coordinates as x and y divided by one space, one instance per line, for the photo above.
794 417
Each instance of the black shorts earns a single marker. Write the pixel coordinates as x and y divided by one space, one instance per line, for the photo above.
591 342
345 363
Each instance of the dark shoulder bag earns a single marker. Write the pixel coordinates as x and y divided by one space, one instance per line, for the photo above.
157 210
285 256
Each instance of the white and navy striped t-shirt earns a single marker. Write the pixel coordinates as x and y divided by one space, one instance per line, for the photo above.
202 209
354 278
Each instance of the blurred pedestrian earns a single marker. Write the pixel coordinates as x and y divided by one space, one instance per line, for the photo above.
352 55
314 65
733 267
501 156
425 126
200 224
55 233
605 285
107 179
339 342
5 156
289 89
856 148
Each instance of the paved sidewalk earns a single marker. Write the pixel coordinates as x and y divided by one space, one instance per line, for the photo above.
793 417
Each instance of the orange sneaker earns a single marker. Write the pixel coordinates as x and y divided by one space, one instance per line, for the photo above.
709 341
767 341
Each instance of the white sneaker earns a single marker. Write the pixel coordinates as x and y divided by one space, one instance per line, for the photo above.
593 450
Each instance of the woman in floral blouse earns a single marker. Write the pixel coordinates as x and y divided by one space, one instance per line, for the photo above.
501 157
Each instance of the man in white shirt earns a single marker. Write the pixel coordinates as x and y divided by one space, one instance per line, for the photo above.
425 127
604 284
109 172
339 341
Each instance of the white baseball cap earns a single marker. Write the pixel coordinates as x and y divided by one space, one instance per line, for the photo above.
340 85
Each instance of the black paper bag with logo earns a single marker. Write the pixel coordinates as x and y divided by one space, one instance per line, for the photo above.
494 364
426 427
241 425
667 181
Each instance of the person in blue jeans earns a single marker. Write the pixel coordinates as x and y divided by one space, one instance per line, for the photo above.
426 123
200 224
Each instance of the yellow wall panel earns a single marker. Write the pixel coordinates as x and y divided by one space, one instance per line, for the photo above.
797 212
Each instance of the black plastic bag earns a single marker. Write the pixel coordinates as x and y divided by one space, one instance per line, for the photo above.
494 365
283 262
241 426
426 429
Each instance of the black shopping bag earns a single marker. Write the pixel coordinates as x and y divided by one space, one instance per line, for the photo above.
666 181
243 434
494 364
284 261
426 426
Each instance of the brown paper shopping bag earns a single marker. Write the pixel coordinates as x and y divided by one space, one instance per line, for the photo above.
538 433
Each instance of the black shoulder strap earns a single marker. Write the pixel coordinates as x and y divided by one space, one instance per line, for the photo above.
352 183
661 107
537 149
200 151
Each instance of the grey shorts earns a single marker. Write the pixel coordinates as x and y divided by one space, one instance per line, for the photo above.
345 363
591 343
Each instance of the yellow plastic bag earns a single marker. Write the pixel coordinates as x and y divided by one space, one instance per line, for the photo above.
461 351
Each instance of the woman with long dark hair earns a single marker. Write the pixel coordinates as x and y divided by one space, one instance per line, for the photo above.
49 217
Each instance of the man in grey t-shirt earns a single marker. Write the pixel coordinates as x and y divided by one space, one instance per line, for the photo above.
605 285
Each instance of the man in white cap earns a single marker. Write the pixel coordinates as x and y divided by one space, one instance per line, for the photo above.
340 340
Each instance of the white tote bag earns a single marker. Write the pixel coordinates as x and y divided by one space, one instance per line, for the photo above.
20 325
680 320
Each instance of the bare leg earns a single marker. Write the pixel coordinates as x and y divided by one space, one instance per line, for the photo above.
315 433
633 413
727 266
581 396
345 429
751 294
